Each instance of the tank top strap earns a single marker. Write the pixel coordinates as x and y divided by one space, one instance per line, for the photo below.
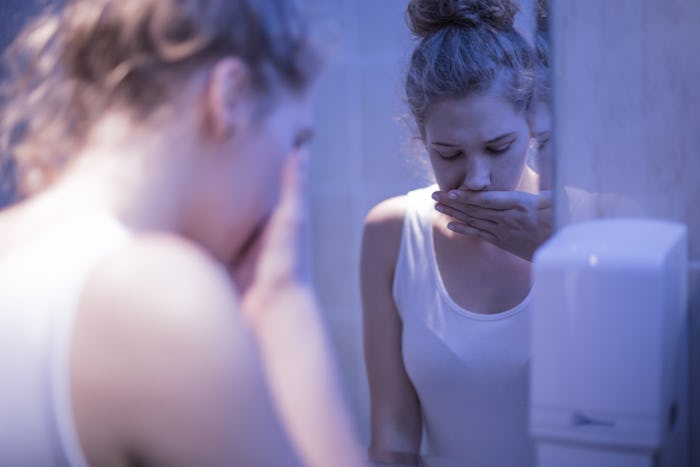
36 330
413 264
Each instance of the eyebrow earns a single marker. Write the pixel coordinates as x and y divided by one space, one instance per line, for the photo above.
499 138
491 141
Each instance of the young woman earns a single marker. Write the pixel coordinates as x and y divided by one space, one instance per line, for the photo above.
446 318
516 221
150 138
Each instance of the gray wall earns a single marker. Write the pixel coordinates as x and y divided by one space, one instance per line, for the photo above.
626 100
362 154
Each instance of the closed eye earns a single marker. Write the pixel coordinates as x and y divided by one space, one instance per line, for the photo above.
450 156
500 149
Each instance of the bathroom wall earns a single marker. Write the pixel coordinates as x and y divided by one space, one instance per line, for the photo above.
626 99
361 155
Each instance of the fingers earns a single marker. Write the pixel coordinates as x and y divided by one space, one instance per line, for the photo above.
469 212
286 228
544 200
293 185
494 200
469 225
471 231
287 244
466 217
515 221
275 248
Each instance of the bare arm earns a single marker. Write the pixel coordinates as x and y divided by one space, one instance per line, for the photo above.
164 372
395 410
281 307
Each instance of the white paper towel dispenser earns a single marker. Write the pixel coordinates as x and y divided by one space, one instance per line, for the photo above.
608 343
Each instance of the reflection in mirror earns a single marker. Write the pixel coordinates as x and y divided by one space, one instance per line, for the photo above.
446 269
576 204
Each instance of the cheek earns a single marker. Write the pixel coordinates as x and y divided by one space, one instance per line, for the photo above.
447 174
509 169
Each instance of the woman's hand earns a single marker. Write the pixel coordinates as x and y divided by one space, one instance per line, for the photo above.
278 300
276 258
516 221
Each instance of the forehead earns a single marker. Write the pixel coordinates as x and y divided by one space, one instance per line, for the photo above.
480 117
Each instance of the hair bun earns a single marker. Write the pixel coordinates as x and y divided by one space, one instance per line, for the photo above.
426 17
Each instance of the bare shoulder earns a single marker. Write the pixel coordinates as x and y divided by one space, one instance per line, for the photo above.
380 240
158 321
384 222
166 284
391 210
164 272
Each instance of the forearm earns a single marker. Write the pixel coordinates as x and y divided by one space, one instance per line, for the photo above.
393 458
394 464
303 379
397 446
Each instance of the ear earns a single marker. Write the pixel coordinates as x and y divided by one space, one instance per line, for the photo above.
227 93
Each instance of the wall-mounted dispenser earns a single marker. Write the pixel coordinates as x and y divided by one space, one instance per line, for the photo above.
608 380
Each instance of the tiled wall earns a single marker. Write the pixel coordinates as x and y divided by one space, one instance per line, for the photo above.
361 155
626 99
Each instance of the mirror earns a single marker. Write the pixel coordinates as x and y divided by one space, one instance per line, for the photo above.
368 149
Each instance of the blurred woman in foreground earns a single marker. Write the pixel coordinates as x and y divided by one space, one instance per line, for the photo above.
150 138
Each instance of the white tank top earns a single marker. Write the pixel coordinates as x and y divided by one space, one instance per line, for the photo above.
40 287
470 370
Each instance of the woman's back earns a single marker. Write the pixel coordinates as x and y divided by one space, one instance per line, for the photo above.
40 285
120 348
199 340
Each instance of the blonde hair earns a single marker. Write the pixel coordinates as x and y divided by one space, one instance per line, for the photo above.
71 64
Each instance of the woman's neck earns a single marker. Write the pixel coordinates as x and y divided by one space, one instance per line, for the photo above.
139 175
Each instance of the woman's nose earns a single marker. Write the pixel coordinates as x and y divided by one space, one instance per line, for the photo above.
477 176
